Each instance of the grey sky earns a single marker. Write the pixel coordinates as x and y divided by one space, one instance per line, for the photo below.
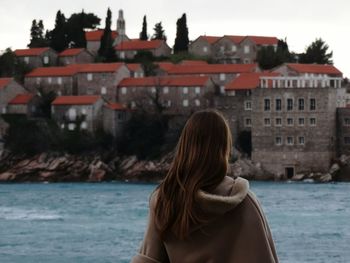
301 21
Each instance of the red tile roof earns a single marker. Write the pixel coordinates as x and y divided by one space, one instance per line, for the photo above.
136 44
166 66
116 106
212 68
314 68
235 39
76 100
100 67
210 39
260 40
30 51
96 35
134 66
24 98
246 81
54 71
193 81
4 82
69 52
193 62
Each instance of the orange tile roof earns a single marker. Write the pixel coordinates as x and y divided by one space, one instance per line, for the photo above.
96 35
166 66
261 40
133 66
69 52
235 39
53 71
247 81
314 68
100 67
4 82
116 106
30 51
210 39
21 99
192 81
76 100
136 44
193 62
212 68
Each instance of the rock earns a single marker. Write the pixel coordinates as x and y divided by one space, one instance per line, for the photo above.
325 178
97 175
7 176
298 177
334 168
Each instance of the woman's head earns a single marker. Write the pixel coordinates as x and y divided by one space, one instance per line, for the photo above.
200 162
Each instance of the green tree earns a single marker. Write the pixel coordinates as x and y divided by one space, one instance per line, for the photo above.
269 57
159 32
317 52
37 38
143 33
11 66
181 40
58 36
106 49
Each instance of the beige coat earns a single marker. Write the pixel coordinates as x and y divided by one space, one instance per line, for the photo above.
238 231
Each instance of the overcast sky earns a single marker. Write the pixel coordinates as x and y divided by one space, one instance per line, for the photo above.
300 21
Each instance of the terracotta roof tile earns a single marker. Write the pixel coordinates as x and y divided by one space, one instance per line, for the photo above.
69 52
193 62
134 66
100 67
54 71
234 38
30 51
4 82
192 81
212 68
314 68
96 35
21 99
247 81
139 44
76 100
116 106
210 39
261 40
166 66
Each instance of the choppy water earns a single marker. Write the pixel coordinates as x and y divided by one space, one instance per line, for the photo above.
105 222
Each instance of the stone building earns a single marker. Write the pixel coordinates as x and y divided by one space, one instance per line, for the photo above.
227 49
93 39
294 123
308 70
115 116
136 70
128 49
172 95
24 104
343 130
203 46
75 56
101 79
37 57
78 112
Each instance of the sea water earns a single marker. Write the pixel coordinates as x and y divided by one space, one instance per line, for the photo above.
105 222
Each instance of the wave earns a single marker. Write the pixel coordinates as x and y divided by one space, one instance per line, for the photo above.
15 213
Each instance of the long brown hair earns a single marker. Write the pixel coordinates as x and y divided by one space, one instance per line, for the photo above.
200 162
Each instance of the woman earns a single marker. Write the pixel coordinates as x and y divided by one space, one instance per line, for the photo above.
198 214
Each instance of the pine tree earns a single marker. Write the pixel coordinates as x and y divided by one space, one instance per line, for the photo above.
59 38
316 52
143 33
159 32
106 48
181 40
37 38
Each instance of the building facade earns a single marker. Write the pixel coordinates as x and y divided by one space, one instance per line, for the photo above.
75 56
37 57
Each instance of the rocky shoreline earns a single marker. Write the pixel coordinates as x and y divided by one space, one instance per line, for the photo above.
54 167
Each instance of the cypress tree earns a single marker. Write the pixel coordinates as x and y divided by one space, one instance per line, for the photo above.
159 32
59 39
106 48
181 40
143 33
37 38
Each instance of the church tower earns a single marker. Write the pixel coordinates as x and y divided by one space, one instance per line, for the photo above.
121 23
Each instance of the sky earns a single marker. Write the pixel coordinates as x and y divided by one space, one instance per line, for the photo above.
299 21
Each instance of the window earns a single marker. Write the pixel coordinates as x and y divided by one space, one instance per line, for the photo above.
301 121
246 49
168 103
185 90
312 121
222 76
290 121
133 105
59 80
72 114
185 103
26 60
248 105
89 76
205 49
301 140
4 110
347 140
197 102
197 90
153 90
124 90
278 140
121 116
267 105
62 126
71 126
278 104
278 121
165 90
83 125
49 80
222 89
267 122
103 90
347 122
289 104
248 122
83 111
122 55
290 140
233 48
301 104
46 60
222 48
312 104
38 80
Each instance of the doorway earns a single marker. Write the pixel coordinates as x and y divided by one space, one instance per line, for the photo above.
289 172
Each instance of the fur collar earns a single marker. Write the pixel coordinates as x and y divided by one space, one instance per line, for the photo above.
227 195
